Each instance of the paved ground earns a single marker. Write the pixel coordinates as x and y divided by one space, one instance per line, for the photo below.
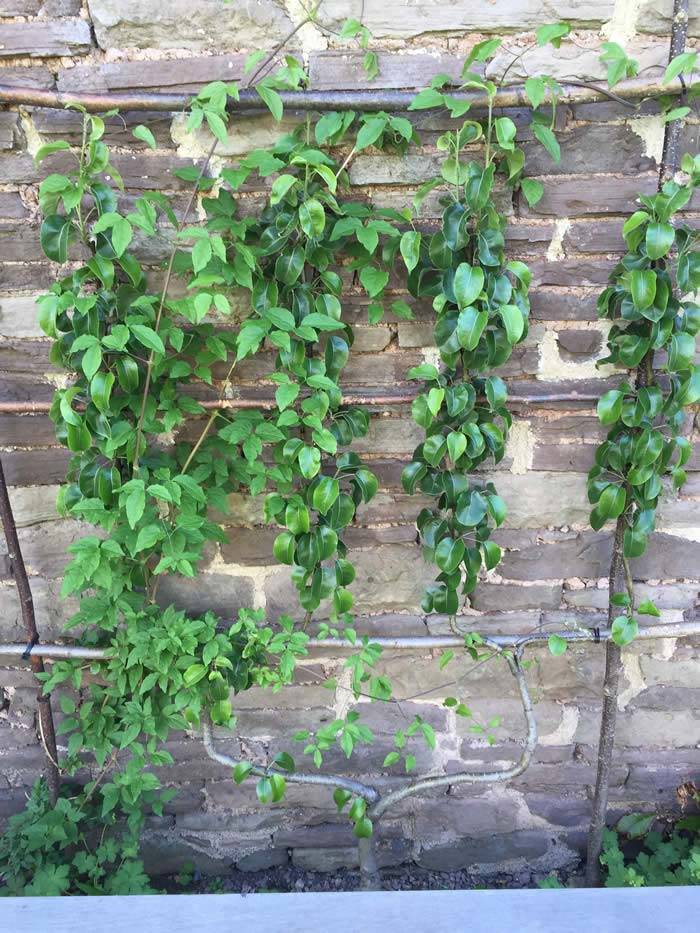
641 910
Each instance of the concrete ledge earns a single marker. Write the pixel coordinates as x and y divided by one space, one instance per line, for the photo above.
644 910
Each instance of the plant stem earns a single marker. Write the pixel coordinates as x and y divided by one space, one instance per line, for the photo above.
19 572
620 574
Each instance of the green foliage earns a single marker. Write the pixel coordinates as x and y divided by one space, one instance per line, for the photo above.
481 305
141 362
645 446
666 858
48 850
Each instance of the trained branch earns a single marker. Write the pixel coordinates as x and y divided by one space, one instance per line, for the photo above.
364 99
368 793
19 572
475 777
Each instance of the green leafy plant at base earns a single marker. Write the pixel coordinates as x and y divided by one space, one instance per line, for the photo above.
666 858
46 852
651 314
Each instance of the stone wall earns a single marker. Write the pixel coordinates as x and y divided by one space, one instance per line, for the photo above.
554 566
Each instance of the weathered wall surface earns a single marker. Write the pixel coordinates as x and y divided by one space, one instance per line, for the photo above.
554 567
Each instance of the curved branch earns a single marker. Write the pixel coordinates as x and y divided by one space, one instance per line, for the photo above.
370 794
475 777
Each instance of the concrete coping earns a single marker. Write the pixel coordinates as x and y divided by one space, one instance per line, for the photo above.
614 910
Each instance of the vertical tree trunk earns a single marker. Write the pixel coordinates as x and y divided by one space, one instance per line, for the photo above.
19 572
613 656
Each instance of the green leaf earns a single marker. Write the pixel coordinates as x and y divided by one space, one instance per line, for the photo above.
145 135
271 99
610 406
370 131
410 248
468 284
643 288
435 400
241 771
481 52
624 630
552 33
135 504
309 461
193 674
281 186
101 390
535 88
470 326
148 337
325 494
556 644
449 554
373 280
92 359
682 64
547 138
513 321
147 537
532 189
49 148
647 608
636 825
612 502
55 235
427 100
122 234
286 394
312 218
659 239
505 133
363 828
456 445
283 548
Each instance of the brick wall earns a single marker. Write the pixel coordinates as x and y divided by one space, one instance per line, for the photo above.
554 567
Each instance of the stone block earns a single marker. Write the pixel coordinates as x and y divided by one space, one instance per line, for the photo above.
554 304
588 555
574 344
147 24
531 503
504 597
262 859
45 38
588 194
656 16
342 70
489 814
477 850
51 611
576 673
170 75
220 593
560 811
647 728
389 578
433 17
326 859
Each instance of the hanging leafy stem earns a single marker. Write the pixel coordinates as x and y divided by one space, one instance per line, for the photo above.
647 301
481 305
287 259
